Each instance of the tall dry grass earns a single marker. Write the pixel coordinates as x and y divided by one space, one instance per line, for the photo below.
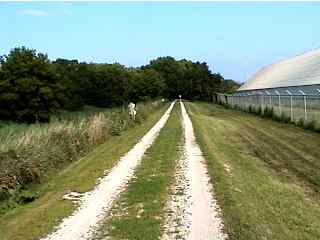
94 127
29 153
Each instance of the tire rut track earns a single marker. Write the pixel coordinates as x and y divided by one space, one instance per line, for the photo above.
194 213
96 203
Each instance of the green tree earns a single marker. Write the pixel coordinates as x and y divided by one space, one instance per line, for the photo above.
193 80
67 72
110 85
171 71
29 90
145 84
31 87
229 86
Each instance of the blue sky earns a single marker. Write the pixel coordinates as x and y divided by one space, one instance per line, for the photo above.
235 39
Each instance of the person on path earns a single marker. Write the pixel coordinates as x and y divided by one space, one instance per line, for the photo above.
132 110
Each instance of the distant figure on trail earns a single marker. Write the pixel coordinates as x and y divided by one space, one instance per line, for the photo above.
132 110
180 97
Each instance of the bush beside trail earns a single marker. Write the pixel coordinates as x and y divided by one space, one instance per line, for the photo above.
29 156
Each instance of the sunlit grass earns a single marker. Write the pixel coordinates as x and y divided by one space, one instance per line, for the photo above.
265 173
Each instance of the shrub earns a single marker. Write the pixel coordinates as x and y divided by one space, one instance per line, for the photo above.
268 112
26 196
251 109
28 155
300 122
259 111
310 125
284 118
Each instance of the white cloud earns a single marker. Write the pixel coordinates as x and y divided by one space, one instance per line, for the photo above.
41 13
34 12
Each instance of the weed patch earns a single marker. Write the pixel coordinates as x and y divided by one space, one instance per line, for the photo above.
30 154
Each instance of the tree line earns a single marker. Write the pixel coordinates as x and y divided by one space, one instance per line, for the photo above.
32 87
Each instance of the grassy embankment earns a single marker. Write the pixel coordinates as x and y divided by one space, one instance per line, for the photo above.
29 154
265 173
138 214
35 219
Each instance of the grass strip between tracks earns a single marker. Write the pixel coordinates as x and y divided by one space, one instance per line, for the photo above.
138 214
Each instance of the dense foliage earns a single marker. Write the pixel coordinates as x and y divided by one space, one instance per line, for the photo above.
229 86
29 89
191 80
32 87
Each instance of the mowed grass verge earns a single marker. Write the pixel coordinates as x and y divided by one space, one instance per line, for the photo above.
138 214
265 173
36 219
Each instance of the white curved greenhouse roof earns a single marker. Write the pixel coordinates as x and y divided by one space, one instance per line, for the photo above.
297 71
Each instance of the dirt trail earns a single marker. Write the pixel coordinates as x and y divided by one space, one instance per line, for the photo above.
95 204
194 213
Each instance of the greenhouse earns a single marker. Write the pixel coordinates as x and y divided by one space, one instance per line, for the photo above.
297 76
291 88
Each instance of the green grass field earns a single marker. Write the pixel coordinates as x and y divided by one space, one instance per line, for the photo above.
265 173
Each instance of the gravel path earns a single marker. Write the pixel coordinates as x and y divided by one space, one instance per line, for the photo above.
192 211
95 204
